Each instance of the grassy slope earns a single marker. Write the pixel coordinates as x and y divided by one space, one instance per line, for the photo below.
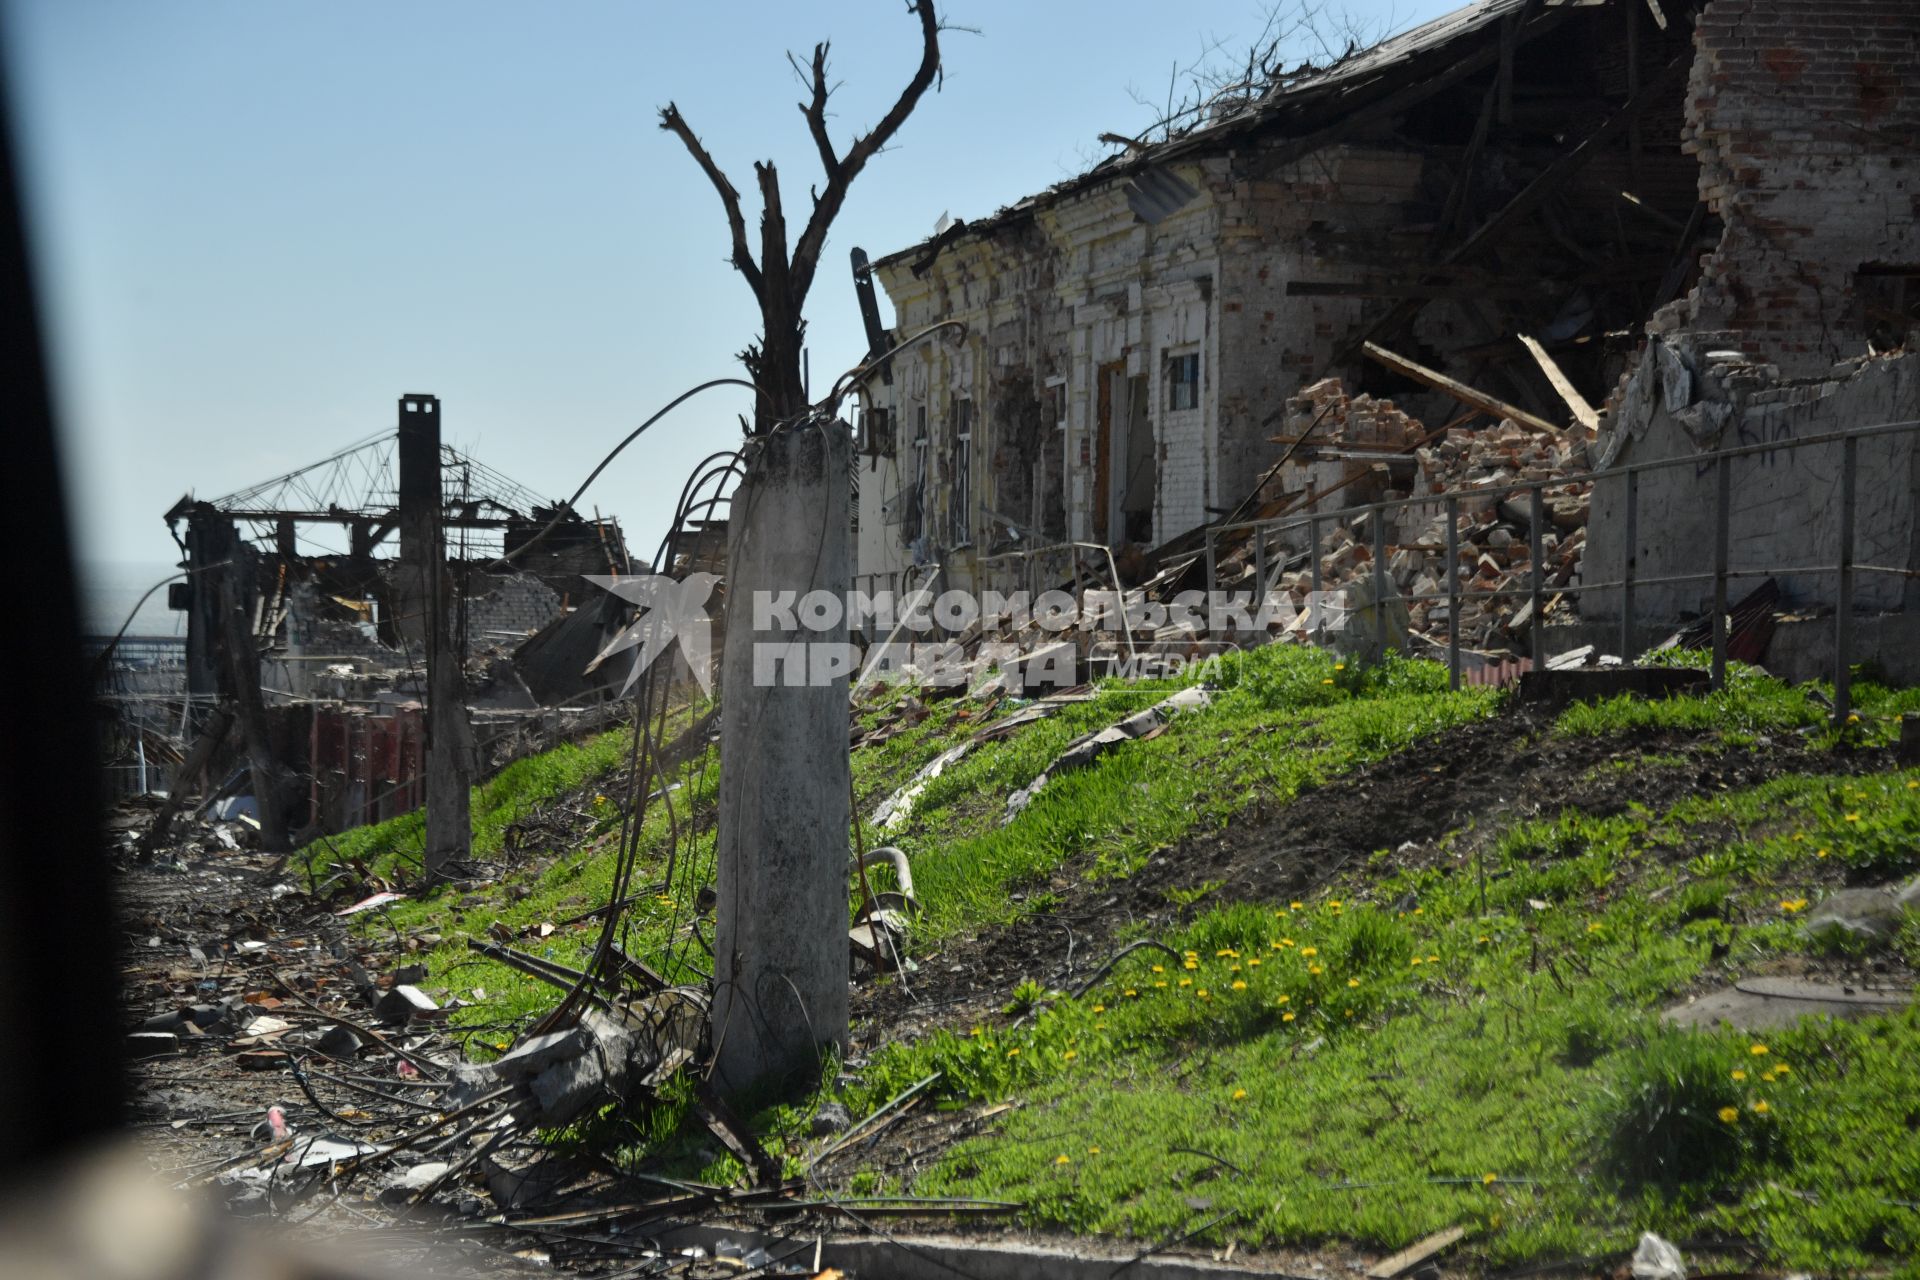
1415 1082
1357 1072
1292 717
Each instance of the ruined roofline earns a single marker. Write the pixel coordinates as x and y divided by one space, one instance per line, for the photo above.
1311 108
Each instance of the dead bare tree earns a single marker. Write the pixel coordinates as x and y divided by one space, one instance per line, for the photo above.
780 278
781 967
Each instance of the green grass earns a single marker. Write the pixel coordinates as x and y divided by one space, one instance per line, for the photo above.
1354 1073
1287 718
517 790
1510 1035
1753 704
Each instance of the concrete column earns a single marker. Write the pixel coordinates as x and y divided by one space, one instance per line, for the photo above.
426 599
781 962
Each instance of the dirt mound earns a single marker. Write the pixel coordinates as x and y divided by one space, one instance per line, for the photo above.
1489 773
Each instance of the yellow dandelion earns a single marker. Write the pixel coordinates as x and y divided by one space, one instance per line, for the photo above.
1914 786
1328 680
1287 1016
1159 969
1761 1108
1353 982
1186 982
1131 992
1853 817
1238 1094
1190 964
1594 927
1161 985
1417 960
1820 853
1294 905
1309 951
1339 666
1233 968
1315 970
1852 718
1758 1050
1253 963
1239 985
1488 1179
1284 1000
1739 1075
1799 836
1070 1055
1483 939
1782 1069
1433 959
1099 1008
1202 993
1013 1053
1063 1158
1791 905
1729 1114
1766 1077
1093 1151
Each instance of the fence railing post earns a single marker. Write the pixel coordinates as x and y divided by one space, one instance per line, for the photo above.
1453 593
1843 605
1723 473
1379 584
1536 630
1213 570
1259 565
1628 563
1316 605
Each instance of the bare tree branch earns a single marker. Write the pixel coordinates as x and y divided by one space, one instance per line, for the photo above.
806 255
816 110
673 122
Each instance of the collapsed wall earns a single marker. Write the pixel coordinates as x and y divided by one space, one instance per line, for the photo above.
1784 508
1804 115
1351 450
1804 118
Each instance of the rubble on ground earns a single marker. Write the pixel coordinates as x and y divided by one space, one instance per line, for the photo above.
1368 450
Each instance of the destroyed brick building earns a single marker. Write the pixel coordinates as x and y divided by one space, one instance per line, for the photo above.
1526 238
310 605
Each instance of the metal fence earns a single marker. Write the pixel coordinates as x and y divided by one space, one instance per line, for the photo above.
1718 574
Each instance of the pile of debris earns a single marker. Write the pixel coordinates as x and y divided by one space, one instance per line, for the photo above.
1368 450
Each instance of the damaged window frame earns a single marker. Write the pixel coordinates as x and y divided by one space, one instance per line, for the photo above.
1182 373
960 453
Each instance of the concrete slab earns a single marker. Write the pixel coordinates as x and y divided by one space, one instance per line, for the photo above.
1769 1004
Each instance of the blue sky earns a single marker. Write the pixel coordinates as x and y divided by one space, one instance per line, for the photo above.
258 224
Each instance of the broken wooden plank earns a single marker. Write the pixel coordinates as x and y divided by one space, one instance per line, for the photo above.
1458 390
1583 413
1415 1254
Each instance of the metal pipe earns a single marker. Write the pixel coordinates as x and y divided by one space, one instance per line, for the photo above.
1379 518
1536 630
1629 559
1722 502
1843 608
1453 593
1316 605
